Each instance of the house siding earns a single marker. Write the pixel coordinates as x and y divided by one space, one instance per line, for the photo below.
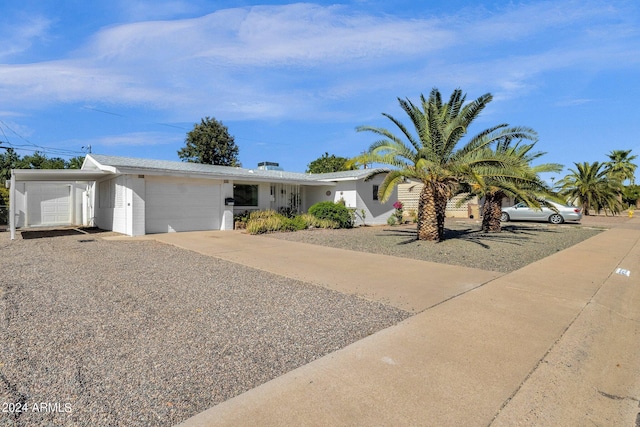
376 212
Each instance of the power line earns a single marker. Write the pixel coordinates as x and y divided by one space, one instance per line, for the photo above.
46 150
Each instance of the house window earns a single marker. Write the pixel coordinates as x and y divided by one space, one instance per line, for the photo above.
375 192
245 195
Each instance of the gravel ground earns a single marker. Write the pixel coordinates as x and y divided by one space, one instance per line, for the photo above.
107 333
519 244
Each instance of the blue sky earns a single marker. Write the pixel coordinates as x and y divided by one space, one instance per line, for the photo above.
293 80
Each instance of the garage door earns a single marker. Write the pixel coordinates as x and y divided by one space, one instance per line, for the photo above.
181 205
48 204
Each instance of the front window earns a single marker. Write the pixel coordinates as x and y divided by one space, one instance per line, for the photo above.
245 195
375 192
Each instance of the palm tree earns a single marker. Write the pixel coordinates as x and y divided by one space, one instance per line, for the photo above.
620 164
514 178
430 155
592 186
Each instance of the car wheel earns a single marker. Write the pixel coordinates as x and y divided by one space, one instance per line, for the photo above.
504 217
556 219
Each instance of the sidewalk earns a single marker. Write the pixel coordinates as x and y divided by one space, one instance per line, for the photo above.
554 343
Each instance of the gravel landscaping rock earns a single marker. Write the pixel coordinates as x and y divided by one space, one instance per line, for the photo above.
519 244
108 333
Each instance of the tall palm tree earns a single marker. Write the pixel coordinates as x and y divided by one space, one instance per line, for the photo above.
516 177
592 186
430 156
620 164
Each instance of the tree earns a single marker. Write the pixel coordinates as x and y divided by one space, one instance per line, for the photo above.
75 162
592 186
431 157
8 160
515 177
631 195
39 160
209 142
328 163
620 164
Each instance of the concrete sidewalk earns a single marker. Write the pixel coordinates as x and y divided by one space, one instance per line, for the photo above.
555 343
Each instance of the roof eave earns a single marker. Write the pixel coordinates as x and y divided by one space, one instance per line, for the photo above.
57 174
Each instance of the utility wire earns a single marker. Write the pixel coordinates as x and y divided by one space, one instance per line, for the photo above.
46 150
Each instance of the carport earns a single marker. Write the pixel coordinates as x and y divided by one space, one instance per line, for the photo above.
39 197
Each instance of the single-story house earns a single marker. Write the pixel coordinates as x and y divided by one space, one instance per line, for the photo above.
141 196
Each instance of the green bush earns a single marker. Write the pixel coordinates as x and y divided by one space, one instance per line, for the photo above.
260 222
333 212
312 221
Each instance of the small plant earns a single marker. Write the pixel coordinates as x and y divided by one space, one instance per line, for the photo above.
392 220
413 215
399 213
363 215
240 220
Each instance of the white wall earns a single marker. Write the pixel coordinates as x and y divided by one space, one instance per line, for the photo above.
357 195
313 195
376 213
346 191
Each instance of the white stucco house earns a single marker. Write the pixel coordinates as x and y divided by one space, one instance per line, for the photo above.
136 196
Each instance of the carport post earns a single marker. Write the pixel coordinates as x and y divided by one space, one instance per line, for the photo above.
12 206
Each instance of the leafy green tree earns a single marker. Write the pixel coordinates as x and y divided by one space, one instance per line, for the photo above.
514 177
210 142
592 187
631 195
329 163
75 162
39 160
620 164
8 160
430 156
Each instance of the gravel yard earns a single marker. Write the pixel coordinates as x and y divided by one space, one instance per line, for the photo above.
519 244
98 333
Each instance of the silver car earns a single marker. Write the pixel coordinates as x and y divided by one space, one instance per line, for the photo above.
522 212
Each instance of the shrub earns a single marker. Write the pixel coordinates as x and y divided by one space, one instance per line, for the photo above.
267 222
260 222
392 220
333 212
313 221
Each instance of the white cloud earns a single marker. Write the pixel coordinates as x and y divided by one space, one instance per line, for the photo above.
19 37
292 60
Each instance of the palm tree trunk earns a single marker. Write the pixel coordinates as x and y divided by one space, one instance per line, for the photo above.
427 214
491 213
441 209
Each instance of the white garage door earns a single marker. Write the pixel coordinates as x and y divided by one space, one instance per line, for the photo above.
181 205
48 204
